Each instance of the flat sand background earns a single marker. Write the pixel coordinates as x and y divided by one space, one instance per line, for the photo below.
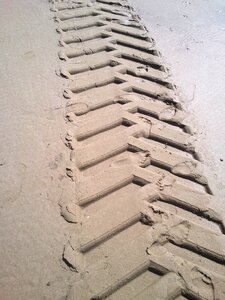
32 155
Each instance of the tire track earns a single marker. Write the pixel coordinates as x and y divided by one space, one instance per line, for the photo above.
148 224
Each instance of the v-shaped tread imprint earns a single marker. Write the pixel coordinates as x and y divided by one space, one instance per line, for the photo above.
146 222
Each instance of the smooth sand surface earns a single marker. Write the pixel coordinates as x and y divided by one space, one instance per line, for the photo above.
32 156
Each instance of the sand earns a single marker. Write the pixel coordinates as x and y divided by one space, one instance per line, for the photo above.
190 35
32 156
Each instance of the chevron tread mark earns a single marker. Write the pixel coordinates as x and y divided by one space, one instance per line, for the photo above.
147 224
